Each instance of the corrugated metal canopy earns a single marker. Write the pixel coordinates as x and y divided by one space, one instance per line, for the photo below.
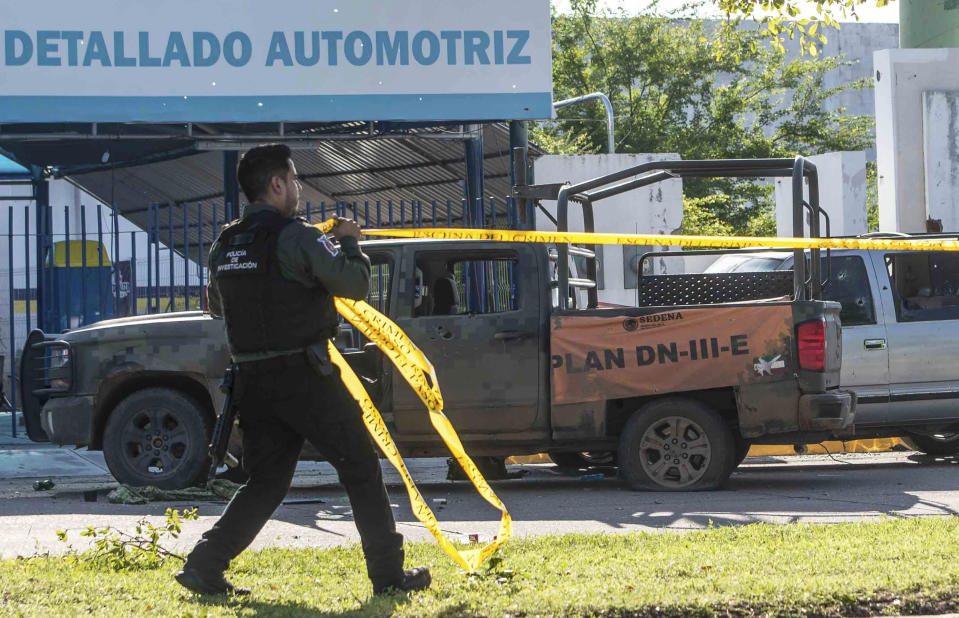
9 168
423 166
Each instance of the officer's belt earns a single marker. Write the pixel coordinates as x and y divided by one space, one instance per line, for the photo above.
324 336
290 358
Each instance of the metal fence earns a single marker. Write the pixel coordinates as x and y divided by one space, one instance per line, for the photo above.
74 272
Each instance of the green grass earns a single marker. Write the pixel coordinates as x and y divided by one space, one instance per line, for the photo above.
890 566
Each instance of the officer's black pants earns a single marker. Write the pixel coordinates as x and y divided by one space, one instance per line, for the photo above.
281 402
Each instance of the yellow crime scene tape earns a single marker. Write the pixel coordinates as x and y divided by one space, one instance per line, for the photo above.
419 373
723 242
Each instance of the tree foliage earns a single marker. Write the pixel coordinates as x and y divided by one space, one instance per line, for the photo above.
780 17
673 93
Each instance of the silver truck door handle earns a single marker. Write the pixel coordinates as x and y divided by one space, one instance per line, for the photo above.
875 344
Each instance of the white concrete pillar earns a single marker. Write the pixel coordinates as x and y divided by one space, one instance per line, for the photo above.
940 123
842 194
657 209
902 76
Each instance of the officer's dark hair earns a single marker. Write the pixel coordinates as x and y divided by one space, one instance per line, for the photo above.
259 165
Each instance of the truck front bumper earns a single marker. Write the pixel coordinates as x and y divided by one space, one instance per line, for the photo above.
832 411
67 420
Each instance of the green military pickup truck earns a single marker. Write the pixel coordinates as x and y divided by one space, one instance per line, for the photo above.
674 389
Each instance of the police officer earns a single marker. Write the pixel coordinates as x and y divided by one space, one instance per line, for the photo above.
273 278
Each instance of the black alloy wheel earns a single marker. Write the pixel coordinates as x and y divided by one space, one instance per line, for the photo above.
676 444
158 437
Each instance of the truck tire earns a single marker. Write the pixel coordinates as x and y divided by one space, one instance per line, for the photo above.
586 459
942 444
676 444
158 437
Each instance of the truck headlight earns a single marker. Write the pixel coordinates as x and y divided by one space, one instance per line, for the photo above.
59 370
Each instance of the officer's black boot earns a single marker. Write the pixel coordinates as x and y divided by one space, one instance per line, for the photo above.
207 582
412 579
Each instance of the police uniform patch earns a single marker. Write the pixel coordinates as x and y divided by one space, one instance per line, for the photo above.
328 245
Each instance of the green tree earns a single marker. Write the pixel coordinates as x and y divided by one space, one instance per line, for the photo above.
872 197
781 17
672 92
749 8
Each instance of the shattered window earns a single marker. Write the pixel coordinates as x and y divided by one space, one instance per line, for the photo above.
849 286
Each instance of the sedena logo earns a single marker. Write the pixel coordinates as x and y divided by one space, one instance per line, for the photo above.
769 365
660 317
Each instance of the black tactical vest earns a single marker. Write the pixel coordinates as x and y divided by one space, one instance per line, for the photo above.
263 311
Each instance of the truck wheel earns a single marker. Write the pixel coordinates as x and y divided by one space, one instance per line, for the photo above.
586 459
676 445
158 437
934 443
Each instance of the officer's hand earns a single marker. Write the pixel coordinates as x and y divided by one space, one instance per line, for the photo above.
346 227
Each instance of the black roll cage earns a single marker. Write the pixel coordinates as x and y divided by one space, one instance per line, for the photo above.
587 192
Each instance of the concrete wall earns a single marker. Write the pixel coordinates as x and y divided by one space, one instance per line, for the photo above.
842 194
657 209
902 76
857 43
940 123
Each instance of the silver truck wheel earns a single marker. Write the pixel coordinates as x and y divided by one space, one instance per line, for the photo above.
158 437
676 444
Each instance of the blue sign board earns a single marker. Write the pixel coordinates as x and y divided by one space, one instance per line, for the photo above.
296 60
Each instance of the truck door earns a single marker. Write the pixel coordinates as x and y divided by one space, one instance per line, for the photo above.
920 294
477 317
865 357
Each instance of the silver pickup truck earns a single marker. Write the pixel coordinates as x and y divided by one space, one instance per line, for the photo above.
900 338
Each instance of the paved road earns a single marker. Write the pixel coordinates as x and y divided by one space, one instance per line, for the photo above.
541 500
